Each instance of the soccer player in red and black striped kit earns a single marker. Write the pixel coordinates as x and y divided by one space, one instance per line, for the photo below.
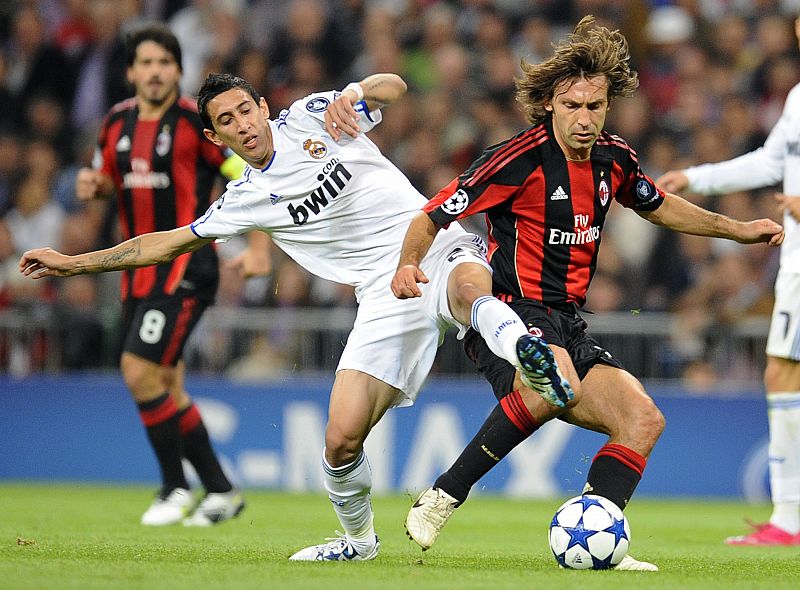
545 193
152 153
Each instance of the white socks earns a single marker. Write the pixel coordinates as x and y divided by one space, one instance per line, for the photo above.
784 459
348 489
499 325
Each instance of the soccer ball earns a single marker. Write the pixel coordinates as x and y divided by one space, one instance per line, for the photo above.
589 532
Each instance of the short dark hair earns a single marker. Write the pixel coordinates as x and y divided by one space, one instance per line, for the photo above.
157 33
216 84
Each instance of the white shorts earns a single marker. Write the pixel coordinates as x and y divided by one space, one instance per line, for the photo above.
395 340
784 328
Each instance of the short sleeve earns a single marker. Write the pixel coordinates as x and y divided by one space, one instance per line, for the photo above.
313 107
230 215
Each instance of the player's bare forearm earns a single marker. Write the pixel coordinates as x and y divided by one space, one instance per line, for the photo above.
419 237
680 215
382 89
377 90
144 250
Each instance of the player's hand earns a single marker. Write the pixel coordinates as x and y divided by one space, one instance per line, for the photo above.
341 116
673 181
789 204
404 282
761 230
45 262
251 262
87 184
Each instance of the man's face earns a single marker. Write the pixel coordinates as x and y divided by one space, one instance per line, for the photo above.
155 74
241 124
579 108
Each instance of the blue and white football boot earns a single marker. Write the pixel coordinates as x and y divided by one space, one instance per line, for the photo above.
540 373
336 549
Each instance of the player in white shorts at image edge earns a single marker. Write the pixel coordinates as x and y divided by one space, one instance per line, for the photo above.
778 159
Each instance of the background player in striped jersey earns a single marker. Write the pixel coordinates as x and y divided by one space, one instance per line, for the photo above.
336 205
153 155
778 159
546 193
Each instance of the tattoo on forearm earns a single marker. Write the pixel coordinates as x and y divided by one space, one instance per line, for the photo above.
117 260
372 85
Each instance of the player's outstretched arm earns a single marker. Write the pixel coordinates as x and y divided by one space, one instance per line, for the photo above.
377 90
419 237
144 250
680 215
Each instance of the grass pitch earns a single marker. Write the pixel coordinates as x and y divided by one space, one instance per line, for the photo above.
85 537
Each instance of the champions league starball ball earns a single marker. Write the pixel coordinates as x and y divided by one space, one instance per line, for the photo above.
589 532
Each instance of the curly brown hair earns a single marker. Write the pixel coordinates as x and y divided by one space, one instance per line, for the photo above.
591 50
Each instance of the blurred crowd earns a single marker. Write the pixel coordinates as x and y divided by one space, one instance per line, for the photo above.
714 75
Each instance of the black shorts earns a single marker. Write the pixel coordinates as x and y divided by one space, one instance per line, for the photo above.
566 329
156 329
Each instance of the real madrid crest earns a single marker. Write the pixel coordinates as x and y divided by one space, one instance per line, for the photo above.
164 141
315 148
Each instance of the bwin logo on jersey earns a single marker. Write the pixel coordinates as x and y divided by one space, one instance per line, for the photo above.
457 203
334 177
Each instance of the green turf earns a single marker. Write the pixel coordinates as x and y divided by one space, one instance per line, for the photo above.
83 537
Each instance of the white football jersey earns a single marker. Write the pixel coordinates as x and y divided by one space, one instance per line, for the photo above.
778 159
340 209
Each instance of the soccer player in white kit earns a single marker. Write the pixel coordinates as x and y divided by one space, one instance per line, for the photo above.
778 158
327 196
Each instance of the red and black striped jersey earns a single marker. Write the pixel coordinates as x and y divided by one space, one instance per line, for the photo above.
164 172
545 213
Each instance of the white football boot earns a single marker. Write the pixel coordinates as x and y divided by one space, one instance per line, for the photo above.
169 509
629 564
216 507
428 516
336 549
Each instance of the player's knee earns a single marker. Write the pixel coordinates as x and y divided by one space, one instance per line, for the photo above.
466 292
647 426
139 379
462 295
341 447
781 374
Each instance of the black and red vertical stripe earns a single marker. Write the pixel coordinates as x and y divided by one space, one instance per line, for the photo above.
544 213
164 172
